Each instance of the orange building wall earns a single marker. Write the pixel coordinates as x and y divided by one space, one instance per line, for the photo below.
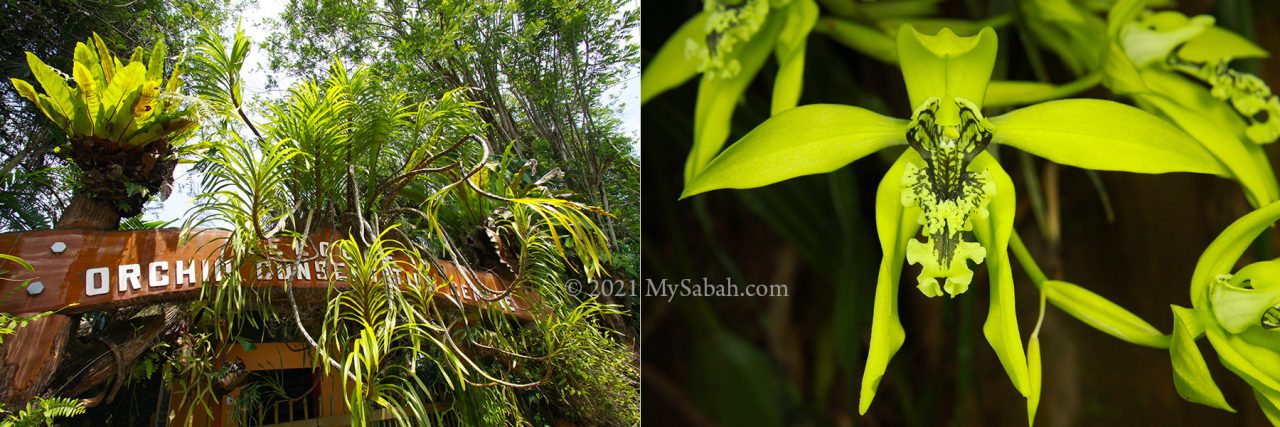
265 357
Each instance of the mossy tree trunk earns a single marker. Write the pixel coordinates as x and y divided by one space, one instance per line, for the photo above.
29 358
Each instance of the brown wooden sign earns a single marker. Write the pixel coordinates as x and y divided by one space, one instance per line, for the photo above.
98 270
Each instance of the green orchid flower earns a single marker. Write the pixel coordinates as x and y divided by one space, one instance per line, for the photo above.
1238 312
727 44
947 186
1166 60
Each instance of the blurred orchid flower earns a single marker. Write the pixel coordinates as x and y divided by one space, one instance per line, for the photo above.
727 44
1166 61
1238 312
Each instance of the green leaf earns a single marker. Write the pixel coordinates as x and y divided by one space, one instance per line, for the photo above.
1217 127
1103 135
866 40
136 57
118 100
155 68
46 104
801 16
24 89
670 67
946 66
1216 43
805 140
21 262
81 122
106 61
1001 326
88 93
53 84
895 224
718 96
87 57
1221 255
1103 315
1191 375
1237 307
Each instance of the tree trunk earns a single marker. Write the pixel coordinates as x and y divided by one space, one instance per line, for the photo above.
33 353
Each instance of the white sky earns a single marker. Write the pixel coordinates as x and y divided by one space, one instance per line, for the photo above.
256 28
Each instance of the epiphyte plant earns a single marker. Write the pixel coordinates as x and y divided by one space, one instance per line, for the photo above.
946 184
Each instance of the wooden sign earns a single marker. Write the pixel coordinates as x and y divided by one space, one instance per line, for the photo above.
100 270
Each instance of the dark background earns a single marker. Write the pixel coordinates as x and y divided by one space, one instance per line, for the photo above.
798 359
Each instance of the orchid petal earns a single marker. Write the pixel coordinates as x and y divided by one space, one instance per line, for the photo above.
946 66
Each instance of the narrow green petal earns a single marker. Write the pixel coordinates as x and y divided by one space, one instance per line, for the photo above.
866 40
1216 43
717 97
805 140
670 67
1191 375
962 27
1218 129
1120 75
1250 356
1001 327
1221 255
801 15
1034 372
895 225
946 66
1103 135
1104 315
1270 404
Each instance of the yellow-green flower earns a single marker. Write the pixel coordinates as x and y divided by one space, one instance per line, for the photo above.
946 185
1238 312
1167 60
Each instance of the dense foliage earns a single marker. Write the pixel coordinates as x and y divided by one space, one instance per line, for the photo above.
484 135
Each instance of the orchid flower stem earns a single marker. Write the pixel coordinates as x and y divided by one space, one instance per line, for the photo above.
1031 177
1052 211
1026 261
1102 194
1044 299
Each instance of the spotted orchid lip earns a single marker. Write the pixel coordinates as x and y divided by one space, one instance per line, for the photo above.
948 194
728 25
1247 94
